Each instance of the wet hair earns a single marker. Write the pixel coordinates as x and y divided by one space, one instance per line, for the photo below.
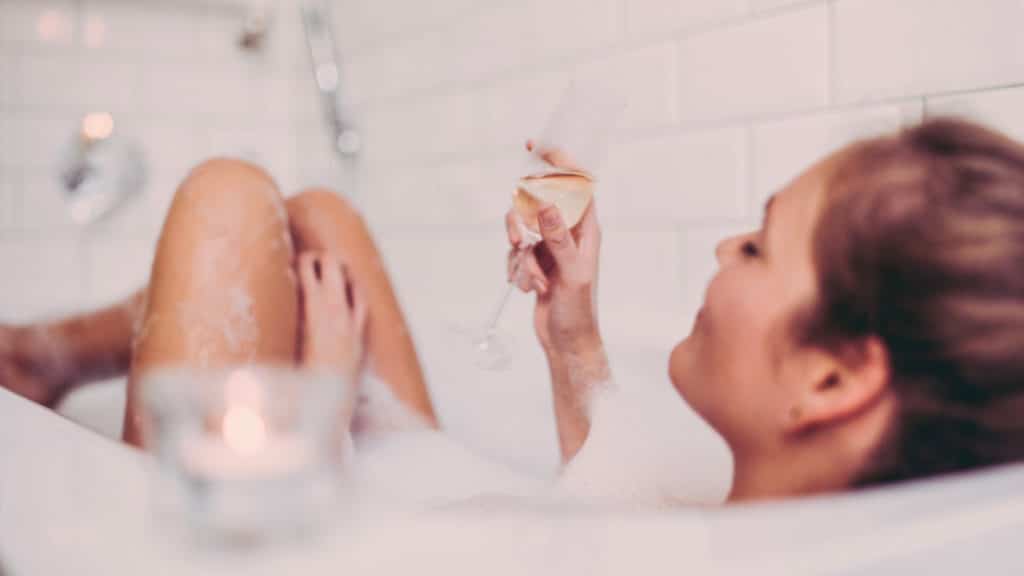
921 244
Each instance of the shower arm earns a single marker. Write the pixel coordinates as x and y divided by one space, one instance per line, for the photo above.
327 74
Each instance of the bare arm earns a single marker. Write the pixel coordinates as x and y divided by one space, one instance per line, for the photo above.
575 378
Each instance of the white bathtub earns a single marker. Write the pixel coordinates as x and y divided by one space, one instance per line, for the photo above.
74 502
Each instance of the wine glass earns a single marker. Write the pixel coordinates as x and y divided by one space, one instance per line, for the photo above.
579 128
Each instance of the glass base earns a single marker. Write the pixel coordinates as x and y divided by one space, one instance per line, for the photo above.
489 350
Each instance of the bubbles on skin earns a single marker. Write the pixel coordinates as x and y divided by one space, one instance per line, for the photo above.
219 319
378 410
143 327
240 328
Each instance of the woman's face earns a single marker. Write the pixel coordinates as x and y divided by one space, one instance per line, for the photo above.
739 366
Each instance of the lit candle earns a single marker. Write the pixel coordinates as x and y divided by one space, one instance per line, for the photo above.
244 447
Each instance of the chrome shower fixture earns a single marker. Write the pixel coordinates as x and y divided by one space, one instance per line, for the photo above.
327 74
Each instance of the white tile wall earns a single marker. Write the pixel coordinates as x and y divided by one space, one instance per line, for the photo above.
728 100
175 83
1000 108
688 177
887 49
645 18
781 149
770 65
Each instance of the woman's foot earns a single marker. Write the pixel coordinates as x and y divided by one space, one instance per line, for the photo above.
27 370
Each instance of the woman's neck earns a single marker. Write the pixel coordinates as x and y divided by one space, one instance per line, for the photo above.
824 460
785 476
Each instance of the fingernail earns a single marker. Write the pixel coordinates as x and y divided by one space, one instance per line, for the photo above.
540 285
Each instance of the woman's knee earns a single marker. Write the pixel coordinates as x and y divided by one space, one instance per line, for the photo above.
230 188
319 217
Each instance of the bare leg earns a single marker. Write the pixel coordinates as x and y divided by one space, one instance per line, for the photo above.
323 221
222 291
99 344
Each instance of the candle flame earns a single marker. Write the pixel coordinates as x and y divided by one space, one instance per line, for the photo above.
98 126
244 430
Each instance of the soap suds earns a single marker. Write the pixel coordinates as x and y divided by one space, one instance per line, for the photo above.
378 410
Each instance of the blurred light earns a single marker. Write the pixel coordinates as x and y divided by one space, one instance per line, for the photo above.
327 76
97 126
244 430
54 26
95 31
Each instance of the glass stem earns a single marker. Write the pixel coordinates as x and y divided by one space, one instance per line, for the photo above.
492 325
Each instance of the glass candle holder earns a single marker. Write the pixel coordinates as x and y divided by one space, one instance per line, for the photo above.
247 455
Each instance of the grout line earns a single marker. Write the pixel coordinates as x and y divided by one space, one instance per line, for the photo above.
833 55
752 195
623 44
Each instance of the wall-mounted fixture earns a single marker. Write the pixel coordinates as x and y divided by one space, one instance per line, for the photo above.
327 74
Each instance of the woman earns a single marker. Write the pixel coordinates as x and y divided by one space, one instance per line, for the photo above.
869 332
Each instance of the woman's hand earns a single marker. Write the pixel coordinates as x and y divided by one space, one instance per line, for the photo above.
334 315
562 270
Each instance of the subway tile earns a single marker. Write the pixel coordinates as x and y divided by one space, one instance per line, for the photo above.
10 127
1000 109
691 177
10 71
762 67
48 81
646 77
38 139
567 27
646 18
108 86
638 290
462 194
458 128
518 109
783 149
10 195
42 206
50 278
487 39
887 49
757 6
698 263
119 265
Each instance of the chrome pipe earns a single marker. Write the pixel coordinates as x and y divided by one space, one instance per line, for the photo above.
327 74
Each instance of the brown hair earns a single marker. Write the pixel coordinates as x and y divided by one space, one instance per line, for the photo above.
921 243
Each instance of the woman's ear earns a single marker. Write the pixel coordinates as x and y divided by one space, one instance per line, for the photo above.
840 386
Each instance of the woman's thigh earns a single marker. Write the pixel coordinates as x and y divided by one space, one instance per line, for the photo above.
323 220
222 289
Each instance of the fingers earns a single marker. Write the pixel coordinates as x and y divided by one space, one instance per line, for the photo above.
325 281
525 272
512 228
559 241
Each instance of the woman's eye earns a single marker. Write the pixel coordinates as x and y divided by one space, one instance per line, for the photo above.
750 249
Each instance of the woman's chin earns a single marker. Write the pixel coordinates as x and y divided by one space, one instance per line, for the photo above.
680 367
